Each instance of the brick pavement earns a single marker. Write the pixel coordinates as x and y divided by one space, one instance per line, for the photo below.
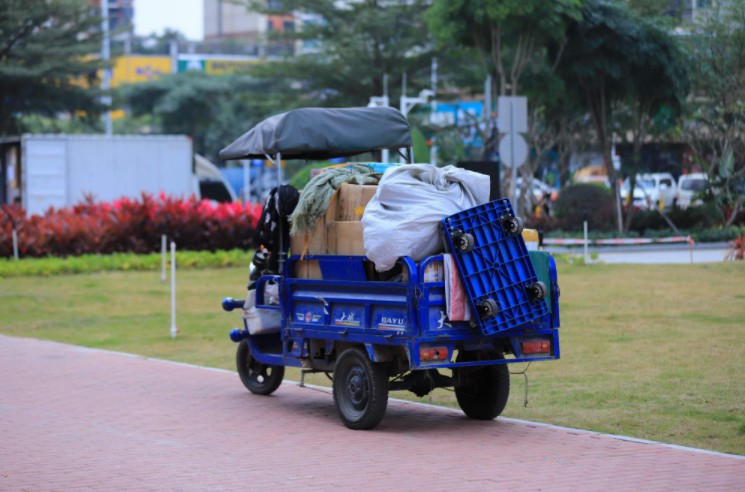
77 419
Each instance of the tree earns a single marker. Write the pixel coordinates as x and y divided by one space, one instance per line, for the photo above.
612 56
715 128
509 35
213 110
46 66
350 47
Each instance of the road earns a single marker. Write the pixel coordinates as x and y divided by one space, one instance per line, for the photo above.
653 253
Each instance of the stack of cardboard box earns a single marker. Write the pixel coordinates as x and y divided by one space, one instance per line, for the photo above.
338 232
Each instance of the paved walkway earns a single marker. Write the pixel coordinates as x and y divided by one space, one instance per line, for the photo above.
77 419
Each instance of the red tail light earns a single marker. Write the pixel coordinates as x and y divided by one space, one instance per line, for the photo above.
536 346
433 353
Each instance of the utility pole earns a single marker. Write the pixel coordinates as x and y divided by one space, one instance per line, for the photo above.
106 57
381 101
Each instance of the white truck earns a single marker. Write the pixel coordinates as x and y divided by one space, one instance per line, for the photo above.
43 171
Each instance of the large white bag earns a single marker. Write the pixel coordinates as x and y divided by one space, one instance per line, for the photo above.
261 320
403 218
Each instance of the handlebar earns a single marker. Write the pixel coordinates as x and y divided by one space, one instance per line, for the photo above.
228 304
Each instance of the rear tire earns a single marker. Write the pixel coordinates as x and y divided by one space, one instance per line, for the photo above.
485 393
360 390
258 378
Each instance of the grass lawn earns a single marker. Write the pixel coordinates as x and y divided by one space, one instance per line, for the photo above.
654 352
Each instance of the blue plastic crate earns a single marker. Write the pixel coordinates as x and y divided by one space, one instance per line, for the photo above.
495 266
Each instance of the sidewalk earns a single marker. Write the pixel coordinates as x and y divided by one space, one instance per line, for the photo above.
78 419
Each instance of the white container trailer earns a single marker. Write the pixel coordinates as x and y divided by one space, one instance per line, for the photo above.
61 170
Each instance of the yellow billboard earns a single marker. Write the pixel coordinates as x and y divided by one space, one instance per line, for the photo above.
132 69
220 67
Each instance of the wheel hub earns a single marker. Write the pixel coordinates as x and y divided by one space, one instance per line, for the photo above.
357 389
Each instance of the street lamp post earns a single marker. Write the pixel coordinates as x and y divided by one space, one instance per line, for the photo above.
106 57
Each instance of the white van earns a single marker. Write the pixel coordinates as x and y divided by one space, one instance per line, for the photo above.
690 188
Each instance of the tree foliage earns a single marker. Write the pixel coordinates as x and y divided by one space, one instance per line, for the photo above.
510 35
716 125
717 52
347 49
45 60
613 56
213 110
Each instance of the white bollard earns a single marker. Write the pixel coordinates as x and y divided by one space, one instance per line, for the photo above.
587 258
163 258
174 330
690 248
15 244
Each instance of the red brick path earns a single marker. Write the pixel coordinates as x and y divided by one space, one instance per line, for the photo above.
76 419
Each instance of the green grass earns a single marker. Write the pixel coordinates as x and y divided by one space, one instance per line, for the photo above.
45 267
654 352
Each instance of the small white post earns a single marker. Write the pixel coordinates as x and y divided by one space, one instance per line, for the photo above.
174 330
587 258
15 244
163 258
690 248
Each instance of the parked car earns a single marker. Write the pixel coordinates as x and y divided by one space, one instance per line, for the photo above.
539 188
690 188
651 190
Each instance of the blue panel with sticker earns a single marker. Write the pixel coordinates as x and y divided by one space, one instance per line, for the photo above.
389 319
309 313
348 315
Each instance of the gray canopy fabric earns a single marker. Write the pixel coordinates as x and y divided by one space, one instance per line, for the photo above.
323 133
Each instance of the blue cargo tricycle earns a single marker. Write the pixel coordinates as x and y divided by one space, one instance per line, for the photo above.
373 335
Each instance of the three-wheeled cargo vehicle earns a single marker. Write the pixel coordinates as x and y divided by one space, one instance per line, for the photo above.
374 334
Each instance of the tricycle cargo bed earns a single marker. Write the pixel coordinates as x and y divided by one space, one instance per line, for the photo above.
407 311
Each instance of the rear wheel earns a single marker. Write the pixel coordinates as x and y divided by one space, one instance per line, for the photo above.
482 393
360 390
258 378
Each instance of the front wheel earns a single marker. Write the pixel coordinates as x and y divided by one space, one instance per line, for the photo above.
483 392
258 378
360 390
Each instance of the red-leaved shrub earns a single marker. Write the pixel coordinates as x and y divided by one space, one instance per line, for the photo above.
128 225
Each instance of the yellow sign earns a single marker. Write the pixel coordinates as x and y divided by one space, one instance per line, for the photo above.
220 67
133 69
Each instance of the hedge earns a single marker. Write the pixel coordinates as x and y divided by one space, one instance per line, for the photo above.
127 225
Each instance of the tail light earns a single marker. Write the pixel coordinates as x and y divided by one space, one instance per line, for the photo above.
535 346
433 353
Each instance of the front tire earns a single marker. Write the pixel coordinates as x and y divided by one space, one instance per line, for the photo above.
484 392
258 378
360 390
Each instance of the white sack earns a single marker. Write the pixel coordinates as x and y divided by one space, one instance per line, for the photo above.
260 321
403 218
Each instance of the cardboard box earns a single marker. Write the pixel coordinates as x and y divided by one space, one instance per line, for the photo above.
314 243
345 238
309 269
352 201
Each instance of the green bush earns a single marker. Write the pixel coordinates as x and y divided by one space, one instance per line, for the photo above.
701 217
580 202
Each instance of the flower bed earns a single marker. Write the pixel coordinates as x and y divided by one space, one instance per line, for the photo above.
129 225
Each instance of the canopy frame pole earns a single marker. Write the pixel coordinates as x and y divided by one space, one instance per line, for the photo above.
407 156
